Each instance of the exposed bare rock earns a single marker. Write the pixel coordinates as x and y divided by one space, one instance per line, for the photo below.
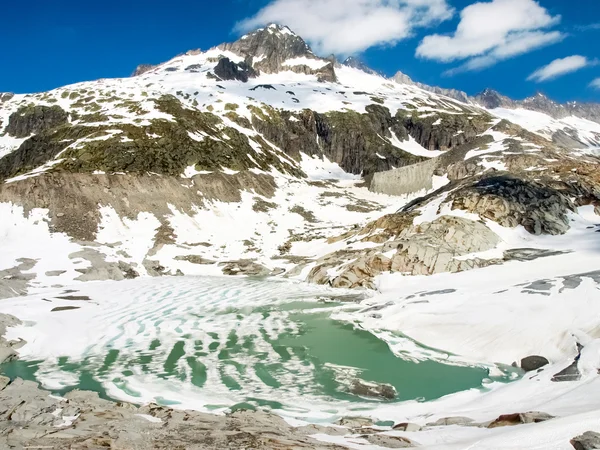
422 249
142 69
7 349
228 70
267 50
244 267
457 420
512 201
30 120
532 363
30 418
520 418
590 440
378 390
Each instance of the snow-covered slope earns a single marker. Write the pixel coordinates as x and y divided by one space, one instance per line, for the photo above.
260 158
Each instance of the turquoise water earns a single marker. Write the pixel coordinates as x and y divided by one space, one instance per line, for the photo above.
232 355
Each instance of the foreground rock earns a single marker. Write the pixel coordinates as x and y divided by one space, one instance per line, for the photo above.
7 348
31 418
587 441
520 418
532 363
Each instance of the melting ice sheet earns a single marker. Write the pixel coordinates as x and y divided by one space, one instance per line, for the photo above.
215 343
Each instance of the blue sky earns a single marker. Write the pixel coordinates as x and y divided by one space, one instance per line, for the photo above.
50 44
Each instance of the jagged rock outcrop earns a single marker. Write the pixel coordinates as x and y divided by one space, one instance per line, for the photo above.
492 99
269 49
142 69
512 201
356 63
351 139
422 249
228 70
30 120
461 96
445 131
6 96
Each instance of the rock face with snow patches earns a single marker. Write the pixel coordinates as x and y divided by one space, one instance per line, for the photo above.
265 132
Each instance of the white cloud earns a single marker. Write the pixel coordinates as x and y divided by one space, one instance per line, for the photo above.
350 26
595 84
493 31
561 66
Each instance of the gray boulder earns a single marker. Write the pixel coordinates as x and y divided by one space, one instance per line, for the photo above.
377 390
532 363
587 441
571 373
458 420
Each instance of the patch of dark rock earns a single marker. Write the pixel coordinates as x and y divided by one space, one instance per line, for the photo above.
75 297
306 215
221 87
529 254
507 420
198 244
375 308
55 273
64 308
264 206
440 292
375 390
29 120
540 285
570 373
228 70
573 281
171 69
589 440
531 363
526 291
360 93
263 86
194 67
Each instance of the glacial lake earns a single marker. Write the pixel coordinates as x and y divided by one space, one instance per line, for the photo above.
216 344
